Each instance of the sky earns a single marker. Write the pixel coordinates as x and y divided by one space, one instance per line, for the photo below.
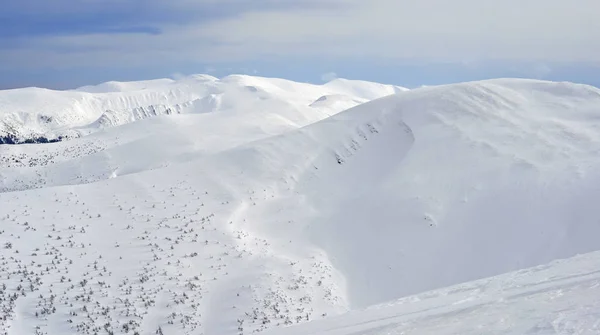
64 44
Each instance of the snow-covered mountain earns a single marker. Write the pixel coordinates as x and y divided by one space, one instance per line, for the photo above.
256 203
32 114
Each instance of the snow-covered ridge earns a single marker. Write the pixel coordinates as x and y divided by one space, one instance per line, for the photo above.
112 118
34 113
277 211
433 167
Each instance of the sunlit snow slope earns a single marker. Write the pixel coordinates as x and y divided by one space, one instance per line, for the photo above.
282 208
557 298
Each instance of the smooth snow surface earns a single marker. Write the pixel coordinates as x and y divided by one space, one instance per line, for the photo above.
558 298
235 205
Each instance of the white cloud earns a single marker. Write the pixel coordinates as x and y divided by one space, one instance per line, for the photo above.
329 76
438 30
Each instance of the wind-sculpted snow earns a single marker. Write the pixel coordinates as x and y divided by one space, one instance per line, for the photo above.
266 206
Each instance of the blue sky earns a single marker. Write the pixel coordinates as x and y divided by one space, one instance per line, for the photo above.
69 43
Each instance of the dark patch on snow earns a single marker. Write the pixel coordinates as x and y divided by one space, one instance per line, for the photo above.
46 119
11 139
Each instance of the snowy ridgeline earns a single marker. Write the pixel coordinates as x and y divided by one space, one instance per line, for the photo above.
35 115
293 202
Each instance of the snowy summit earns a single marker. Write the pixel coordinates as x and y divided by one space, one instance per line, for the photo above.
248 205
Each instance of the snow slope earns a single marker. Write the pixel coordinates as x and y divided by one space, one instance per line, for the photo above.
464 181
275 211
558 298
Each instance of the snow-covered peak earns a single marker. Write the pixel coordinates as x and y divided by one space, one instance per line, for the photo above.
363 89
115 86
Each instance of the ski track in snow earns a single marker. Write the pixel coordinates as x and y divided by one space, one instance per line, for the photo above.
261 203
